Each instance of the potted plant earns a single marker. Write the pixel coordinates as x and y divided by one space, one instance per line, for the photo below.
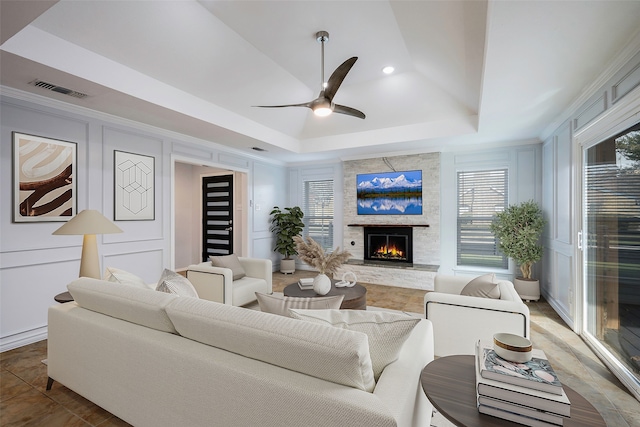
286 224
518 229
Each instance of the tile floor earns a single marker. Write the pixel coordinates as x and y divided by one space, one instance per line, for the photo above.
25 402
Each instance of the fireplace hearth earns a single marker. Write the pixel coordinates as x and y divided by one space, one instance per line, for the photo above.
388 245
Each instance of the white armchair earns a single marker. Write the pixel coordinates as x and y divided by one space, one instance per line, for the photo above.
217 284
459 321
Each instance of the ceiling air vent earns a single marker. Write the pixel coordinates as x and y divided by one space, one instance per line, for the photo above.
59 89
258 149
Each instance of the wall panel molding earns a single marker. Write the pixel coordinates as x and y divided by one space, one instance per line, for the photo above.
626 80
592 110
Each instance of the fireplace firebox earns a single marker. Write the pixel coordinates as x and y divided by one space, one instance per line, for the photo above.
388 244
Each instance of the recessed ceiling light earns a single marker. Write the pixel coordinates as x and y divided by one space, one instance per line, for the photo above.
388 69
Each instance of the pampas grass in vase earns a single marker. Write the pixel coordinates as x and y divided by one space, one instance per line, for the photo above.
327 263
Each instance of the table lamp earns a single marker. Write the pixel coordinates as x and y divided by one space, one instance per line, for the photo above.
89 223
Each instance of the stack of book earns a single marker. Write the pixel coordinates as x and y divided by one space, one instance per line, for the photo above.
305 283
525 393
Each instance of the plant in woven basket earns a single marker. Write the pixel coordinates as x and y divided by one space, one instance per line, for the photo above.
313 254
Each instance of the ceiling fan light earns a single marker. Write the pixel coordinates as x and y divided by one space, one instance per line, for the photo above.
322 107
322 111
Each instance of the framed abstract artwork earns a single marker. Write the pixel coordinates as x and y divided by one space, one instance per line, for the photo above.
44 179
134 187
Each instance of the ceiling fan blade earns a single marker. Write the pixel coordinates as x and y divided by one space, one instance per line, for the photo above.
306 104
337 77
348 111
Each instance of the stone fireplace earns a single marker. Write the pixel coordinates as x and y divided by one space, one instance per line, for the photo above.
385 267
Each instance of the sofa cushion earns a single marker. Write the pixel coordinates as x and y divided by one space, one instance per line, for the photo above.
231 262
482 286
116 275
174 283
141 306
386 331
280 304
339 356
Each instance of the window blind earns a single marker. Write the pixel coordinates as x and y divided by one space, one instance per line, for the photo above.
318 212
480 195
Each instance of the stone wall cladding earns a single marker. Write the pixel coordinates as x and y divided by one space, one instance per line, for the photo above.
426 240
379 275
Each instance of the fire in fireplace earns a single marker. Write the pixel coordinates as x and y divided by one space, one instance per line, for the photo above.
388 244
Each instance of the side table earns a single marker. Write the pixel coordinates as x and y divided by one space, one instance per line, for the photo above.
450 384
63 297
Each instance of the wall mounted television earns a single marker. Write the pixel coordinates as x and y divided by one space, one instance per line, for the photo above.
390 193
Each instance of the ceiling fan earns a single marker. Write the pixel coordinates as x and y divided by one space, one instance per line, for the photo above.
323 105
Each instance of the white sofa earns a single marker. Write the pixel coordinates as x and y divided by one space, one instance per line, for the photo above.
156 359
459 321
217 284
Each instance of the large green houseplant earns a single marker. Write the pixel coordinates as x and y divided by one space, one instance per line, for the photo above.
518 229
286 224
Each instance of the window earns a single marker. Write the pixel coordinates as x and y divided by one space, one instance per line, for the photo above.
318 212
480 195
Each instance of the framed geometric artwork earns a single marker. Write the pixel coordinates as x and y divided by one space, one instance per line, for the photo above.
134 187
44 179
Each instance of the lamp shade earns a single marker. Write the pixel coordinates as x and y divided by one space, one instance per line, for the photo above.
88 221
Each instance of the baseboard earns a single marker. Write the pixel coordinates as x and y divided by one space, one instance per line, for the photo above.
22 339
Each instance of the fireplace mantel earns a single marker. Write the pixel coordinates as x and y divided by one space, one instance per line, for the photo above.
387 225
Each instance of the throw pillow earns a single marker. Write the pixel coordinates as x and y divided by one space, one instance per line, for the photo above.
231 262
116 275
386 331
483 287
174 283
279 304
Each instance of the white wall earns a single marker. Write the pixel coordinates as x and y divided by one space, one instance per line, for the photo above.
35 266
185 207
269 188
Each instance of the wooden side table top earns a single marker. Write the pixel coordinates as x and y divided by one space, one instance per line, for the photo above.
63 297
355 298
450 384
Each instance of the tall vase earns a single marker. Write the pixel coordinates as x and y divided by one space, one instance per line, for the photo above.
322 284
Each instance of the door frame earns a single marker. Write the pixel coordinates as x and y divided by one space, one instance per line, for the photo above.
243 222
622 115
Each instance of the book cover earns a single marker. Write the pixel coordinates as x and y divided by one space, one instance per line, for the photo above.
510 416
521 410
525 396
536 373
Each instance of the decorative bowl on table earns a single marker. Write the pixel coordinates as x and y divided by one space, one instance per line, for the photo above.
511 347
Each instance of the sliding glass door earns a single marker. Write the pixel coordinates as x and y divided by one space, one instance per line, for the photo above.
611 245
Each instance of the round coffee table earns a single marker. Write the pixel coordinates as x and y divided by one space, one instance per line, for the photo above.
450 384
355 298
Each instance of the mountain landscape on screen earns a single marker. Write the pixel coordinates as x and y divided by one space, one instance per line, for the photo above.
390 193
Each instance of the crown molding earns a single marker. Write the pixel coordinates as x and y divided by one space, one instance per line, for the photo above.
631 49
113 119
